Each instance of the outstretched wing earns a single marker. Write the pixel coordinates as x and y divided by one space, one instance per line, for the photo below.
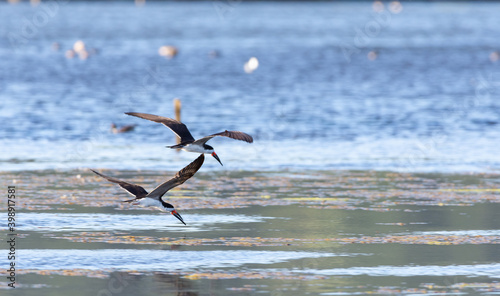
179 178
133 189
230 134
177 127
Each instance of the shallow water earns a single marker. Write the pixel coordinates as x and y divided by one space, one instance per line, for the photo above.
358 180
55 222
281 232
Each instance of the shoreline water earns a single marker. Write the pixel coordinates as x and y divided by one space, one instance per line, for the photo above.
398 155
375 167
313 231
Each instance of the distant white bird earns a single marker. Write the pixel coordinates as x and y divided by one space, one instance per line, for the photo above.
168 51
251 65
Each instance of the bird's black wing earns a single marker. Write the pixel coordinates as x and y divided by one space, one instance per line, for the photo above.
133 189
179 178
177 127
230 134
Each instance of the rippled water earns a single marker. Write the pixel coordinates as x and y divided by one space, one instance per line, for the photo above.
157 260
427 102
285 215
57 222
489 270
309 232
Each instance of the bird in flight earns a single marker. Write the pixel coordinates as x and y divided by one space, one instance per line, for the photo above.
187 142
154 198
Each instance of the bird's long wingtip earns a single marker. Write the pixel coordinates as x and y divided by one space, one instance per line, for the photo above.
95 172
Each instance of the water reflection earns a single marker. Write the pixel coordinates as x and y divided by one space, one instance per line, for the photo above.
136 283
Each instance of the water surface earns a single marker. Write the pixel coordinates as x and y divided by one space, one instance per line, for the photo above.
314 232
374 167
317 101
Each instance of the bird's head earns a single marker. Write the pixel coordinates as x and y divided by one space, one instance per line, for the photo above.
172 211
210 150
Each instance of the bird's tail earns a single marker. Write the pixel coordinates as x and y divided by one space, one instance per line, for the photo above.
178 146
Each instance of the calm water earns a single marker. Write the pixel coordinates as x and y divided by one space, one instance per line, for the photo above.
339 86
426 103
275 233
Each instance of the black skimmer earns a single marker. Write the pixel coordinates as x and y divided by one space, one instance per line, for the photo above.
187 142
154 198
123 129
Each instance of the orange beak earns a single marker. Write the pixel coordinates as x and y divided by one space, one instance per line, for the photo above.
178 216
216 157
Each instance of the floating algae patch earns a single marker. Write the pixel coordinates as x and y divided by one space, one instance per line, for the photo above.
415 239
424 239
102 273
339 231
251 275
364 190
212 275
220 241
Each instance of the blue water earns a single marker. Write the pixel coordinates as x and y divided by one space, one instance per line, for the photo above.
169 260
160 260
428 102
51 222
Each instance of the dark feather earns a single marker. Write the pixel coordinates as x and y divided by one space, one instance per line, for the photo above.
230 134
177 127
179 178
133 189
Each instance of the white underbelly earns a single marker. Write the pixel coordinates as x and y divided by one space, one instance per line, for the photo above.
149 202
194 148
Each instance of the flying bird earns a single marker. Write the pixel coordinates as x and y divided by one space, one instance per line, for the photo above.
154 198
187 142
